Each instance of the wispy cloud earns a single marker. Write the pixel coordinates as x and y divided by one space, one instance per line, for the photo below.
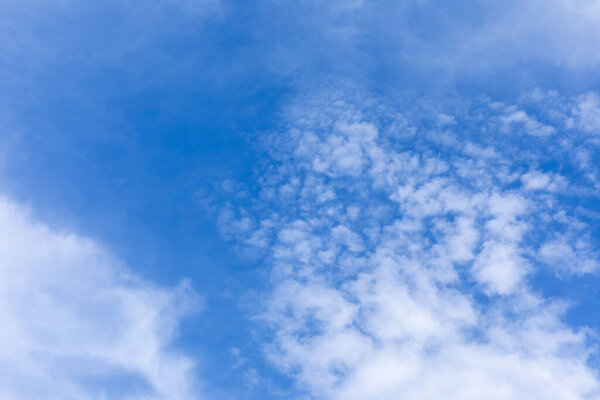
434 42
76 324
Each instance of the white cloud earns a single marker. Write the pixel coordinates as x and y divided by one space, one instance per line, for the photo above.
536 180
558 31
587 113
571 255
511 39
500 267
376 291
528 124
343 153
76 324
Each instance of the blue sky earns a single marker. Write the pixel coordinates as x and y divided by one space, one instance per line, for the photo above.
214 199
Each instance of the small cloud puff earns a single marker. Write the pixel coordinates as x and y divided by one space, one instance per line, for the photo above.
526 123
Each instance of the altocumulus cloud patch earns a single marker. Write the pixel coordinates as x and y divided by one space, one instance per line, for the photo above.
403 242
76 324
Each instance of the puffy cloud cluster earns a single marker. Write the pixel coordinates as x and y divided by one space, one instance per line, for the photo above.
76 324
402 247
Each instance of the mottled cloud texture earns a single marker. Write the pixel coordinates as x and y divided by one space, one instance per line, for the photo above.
403 240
